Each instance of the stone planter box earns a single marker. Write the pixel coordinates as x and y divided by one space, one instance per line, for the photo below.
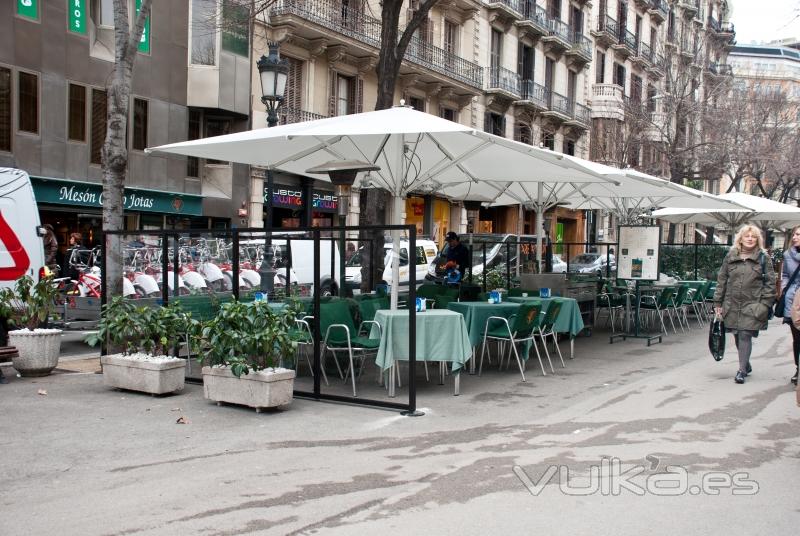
151 377
257 390
38 351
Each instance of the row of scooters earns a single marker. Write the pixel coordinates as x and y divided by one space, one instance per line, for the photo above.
202 269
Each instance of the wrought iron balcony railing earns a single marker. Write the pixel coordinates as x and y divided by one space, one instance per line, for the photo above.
629 40
713 24
536 93
581 113
609 25
288 115
661 6
559 29
559 103
581 44
536 14
335 16
646 52
515 5
502 78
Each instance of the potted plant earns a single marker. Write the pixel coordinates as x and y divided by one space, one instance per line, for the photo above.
241 350
29 307
146 336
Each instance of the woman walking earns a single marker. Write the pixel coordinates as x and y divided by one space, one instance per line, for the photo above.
790 280
745 292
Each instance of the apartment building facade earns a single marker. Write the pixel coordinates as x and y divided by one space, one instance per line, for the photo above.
643 50
56 58
513 68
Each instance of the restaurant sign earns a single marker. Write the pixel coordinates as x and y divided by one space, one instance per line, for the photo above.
89 194
77 16
286 197
28 8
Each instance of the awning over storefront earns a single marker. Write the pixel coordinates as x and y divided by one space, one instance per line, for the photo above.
90 194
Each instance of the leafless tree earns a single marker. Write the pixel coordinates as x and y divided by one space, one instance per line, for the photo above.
114 152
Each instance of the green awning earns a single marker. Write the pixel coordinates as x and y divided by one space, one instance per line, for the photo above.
90 194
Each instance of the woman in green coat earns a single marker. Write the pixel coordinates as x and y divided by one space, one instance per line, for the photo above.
745 292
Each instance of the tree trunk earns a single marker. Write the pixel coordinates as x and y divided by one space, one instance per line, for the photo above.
115 152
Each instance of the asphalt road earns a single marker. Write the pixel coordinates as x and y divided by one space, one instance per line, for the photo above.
631 440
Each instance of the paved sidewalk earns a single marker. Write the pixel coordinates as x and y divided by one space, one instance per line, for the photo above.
87 460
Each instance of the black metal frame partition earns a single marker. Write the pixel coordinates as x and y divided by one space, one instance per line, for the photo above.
302 233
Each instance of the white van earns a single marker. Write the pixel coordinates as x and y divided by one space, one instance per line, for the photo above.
426 254
21 244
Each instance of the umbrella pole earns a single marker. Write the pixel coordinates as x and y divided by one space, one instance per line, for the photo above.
397 219
539 225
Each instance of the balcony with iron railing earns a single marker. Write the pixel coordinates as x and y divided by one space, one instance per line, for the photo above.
720 69
558 37
288 115
559 107
342 20
607 31
580 115
657 66
690 7
658 11
535 21
713 24
508 8
646 53
505 81
534 95
581 48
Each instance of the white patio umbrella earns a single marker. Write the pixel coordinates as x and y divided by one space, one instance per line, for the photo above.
412 148
754 209
628 204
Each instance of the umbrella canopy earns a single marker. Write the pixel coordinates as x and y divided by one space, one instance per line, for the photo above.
412 149
754 209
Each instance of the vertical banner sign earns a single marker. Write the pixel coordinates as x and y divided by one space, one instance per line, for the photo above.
144 42
28 8
77 16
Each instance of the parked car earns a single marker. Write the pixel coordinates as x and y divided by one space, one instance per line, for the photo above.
496 252
426 254
591 263
559 266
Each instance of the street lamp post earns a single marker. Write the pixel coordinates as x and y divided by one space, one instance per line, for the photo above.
273 72
342 174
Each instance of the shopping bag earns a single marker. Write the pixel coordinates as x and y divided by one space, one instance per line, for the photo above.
716 338
794 312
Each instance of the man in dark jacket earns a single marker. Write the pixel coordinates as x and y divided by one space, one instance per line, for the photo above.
457 253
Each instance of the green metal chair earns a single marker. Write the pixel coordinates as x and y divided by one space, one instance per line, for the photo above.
368 307
678 306
546 329
519 328
429 292
340 335
301 333
658 305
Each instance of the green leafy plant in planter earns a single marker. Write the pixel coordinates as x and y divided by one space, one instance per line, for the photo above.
147 337
247 336
29 307
140 329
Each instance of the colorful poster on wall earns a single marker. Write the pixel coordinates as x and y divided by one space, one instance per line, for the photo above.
28 9
144 42
77 16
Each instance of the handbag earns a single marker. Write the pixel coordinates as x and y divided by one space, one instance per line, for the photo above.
780 306
716 338
794 312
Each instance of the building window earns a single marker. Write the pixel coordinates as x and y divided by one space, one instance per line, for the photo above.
28 103
99 119
204 34
522 133
417 103
619 75
569 147
192 162
5 109
139 124
549 140
344 87
76 116
496 52
495 124
235 28
448 113
102 12
450 37
600 68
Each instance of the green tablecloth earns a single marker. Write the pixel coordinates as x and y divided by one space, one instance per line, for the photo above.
441 336
476 314
569 319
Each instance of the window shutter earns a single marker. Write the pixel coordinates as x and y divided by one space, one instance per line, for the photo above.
521 59
352 91
359 95
332 93
294 85
487 121
503 127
